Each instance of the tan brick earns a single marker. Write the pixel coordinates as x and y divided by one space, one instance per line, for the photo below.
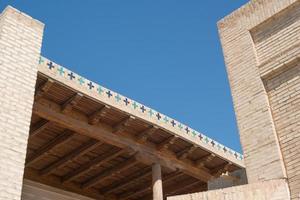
20 44
261 44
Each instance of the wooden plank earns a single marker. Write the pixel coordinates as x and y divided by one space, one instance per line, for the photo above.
73 101
144 135
96 116
59 140
83 149
133 194
184 154
205 159
129 181
120 126
43 89
51 111
109 173
166 143
219 170
38 127
96 162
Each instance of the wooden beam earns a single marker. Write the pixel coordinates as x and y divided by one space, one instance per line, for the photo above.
165 180
168 142
171 176
51 111
219 170
144 135
43 89
157 188
129 181
205 159
184 154
59 140
83 149
96 116
136 193
38 127
109 173
73 101
96 162
120 126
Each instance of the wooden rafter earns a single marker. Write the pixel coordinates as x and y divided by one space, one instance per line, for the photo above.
205 159
59 140
96 116
129 181
43 89
184 153
109 173
120 126
83 149
51 111
73 101
219 170
144 135
166 143
148 188
96 162
38 127
136 193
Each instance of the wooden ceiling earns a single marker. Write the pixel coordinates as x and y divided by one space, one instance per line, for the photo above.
81 145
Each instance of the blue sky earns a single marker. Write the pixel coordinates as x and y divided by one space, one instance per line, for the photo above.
165 54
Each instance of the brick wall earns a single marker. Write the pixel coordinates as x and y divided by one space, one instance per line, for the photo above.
268 190
20 43
235 178
284 92
277 34
261 45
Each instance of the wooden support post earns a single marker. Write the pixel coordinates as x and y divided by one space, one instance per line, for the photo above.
157 182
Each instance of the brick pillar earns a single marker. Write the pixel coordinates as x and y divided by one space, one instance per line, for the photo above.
263 156
261 48
20 45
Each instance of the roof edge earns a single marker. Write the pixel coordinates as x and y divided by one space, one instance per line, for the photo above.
134 108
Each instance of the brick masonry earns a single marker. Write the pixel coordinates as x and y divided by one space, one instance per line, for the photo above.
284 92
261 43
267 190
20 44
261 48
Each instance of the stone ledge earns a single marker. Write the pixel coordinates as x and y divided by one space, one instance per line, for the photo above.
270 190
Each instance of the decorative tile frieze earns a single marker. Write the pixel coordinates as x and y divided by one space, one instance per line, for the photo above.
137 108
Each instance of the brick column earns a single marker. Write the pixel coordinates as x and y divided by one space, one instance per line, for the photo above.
20 44
246 47
261 48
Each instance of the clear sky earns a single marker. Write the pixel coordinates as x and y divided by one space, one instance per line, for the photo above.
165 54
